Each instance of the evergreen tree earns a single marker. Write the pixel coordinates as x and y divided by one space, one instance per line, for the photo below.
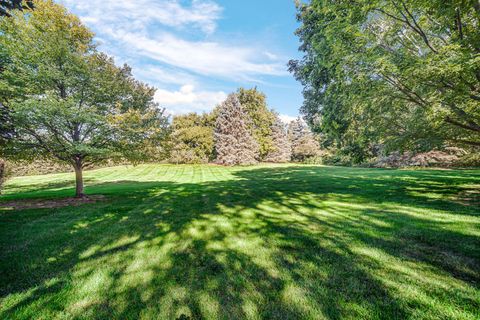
282 151
302 141
234 144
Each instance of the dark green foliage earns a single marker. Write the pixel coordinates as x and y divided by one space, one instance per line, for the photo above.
7 129
7 5
2 174
401 74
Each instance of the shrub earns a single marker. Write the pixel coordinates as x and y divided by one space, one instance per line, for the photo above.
314 160
440 158
337 159
470 160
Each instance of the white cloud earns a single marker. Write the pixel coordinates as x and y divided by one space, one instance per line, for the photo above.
159 75
188 99
271 56
286 118
137 15
205 58
137 29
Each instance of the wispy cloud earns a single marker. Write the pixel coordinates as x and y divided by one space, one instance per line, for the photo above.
201 57
188 99
163 75
139 14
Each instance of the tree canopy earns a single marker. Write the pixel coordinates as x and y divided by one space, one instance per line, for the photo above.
404 74
69 101
192 138
260 118
7 5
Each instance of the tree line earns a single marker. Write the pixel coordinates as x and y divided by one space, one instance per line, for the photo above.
240 131
382 76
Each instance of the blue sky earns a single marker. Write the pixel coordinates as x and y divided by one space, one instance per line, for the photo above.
197 51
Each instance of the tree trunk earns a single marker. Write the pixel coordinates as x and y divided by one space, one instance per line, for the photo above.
79 179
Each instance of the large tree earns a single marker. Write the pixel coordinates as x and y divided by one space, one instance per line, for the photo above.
192 138
402 73
260 118
6 127
68 101
234 144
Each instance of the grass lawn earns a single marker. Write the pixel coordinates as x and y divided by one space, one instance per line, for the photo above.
264 242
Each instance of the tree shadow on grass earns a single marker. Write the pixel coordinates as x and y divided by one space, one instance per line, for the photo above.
285 243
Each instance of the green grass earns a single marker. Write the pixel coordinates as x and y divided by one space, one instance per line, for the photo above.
265 242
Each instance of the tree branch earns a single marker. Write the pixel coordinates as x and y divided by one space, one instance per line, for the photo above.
470 126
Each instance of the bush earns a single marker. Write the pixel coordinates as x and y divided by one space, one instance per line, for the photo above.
313 160
470 160
182 154
37 167
333 158
434 158
45 166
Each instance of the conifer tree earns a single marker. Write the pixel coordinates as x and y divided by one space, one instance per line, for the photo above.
234 145
282 151
302 141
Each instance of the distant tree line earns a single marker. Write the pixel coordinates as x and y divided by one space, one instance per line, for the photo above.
240 131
